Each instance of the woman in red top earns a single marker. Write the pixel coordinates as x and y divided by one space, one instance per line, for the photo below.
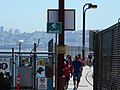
67 68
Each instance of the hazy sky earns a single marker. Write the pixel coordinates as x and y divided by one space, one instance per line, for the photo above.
31 15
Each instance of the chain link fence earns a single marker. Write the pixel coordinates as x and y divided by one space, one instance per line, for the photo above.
107 59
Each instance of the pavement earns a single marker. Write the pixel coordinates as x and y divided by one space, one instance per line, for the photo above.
86 81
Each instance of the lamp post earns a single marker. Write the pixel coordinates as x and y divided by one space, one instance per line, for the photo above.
90 6
20 45
20 42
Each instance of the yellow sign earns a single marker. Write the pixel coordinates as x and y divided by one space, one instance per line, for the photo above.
61 49
41 62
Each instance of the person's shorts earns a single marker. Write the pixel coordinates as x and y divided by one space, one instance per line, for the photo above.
76 76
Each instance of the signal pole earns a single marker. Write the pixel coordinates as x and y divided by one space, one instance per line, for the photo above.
60 79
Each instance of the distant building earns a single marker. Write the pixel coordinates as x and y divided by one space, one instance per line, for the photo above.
1 29
17 31
73 50
11 31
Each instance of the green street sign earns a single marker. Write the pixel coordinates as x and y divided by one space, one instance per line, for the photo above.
54 27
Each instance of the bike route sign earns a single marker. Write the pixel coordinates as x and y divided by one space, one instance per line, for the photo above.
54 27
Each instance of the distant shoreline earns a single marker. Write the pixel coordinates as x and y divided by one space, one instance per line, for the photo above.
16 50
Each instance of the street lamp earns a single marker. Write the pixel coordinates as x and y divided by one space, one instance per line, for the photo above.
20 45
90 6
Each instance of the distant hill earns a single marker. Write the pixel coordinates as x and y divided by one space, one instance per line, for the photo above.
9 40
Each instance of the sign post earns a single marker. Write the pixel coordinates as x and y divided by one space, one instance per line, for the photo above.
55 27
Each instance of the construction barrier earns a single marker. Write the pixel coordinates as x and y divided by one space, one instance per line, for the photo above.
18 82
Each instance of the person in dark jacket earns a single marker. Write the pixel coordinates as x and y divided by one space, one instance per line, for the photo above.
77 64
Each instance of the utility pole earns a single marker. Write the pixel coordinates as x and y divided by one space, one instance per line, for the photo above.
61 42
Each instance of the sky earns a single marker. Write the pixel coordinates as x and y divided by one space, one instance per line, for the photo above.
31 15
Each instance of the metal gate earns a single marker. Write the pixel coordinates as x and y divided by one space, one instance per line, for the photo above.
35 69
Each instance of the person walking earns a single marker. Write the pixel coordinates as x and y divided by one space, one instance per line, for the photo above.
69 59
76 64
67 68
90 57
81 60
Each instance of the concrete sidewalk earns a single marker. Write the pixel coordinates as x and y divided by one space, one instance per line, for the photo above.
86 82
